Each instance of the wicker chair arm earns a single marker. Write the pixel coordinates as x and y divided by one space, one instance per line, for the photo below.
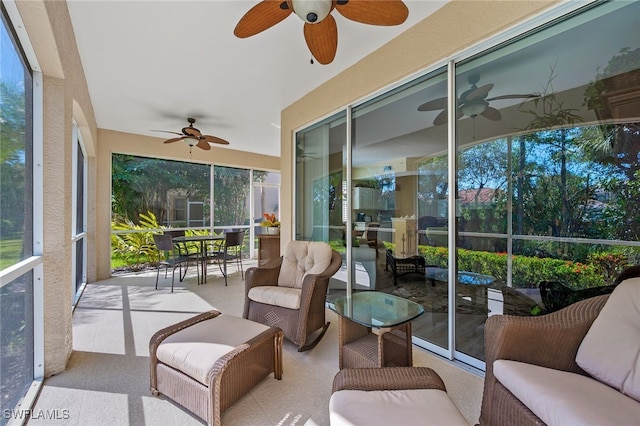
387 378
163 333
549 340
263 275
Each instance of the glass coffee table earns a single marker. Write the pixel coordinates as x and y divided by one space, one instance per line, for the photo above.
375 329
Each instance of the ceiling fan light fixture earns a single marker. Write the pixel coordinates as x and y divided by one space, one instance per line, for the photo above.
474 109
191 142
311 11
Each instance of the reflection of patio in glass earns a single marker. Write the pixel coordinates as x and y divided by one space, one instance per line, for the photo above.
477 297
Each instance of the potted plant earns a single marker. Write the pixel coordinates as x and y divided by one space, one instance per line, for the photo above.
271 224
622 71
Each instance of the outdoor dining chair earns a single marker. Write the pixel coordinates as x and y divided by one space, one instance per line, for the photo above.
229 251
171 256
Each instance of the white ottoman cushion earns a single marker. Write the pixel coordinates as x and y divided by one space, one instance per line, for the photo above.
195 349
425 407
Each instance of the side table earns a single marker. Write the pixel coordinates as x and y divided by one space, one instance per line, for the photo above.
375 329
268 248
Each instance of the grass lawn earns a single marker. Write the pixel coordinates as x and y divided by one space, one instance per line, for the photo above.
10 252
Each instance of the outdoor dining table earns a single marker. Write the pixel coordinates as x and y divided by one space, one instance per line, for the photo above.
203 240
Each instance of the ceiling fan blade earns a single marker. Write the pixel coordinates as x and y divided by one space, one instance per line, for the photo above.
214 139
322 39
441 118
433 105
382 12
166 131
527 96
203 144
492 114
479 93
260 17
191 131
174 139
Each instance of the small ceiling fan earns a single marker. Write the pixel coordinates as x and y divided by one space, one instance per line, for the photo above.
472 102
193 137
302 155
320 29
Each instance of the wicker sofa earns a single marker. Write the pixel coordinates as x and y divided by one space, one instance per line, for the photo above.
579 365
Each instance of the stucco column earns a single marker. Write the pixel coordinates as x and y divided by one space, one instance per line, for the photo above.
57 226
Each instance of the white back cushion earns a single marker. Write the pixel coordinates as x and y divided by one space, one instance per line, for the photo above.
610 351
302 258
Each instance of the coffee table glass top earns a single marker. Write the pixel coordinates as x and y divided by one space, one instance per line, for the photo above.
376 309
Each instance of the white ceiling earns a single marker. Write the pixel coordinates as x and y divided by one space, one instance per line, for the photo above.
150 64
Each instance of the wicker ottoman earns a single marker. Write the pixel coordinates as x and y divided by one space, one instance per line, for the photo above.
209 361
391 396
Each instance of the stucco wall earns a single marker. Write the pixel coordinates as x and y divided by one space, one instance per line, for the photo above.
457 25
65 97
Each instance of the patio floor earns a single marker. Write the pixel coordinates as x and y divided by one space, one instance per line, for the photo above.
107 377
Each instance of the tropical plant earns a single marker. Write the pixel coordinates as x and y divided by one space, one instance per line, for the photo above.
270 220
134 243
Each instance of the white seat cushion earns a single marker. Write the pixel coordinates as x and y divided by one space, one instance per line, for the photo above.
610 351
426 407
302 258
562 398
194 350
286 297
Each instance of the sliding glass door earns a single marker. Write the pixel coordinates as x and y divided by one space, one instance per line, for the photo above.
536 138
547 152
399 190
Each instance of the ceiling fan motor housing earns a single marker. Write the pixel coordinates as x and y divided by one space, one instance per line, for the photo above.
311 11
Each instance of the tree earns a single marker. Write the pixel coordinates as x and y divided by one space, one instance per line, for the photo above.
141 185
12 158
553 124
231 189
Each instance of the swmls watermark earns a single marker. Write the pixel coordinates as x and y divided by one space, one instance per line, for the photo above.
40 414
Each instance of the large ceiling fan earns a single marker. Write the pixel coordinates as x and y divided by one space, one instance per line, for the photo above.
320 29
193 137
472 103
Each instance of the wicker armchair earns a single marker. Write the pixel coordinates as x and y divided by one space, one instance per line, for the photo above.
290 293
549 341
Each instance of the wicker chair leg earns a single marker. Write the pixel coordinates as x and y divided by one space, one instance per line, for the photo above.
315 341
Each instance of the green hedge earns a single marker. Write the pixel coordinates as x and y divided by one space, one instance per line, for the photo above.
528 271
